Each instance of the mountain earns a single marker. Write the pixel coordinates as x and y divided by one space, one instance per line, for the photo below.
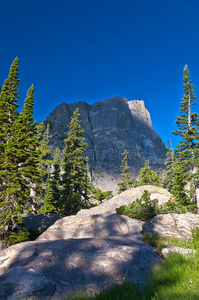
110 126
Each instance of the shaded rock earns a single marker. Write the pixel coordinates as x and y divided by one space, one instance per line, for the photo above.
63 267
167 251
40 222
90 251
172 225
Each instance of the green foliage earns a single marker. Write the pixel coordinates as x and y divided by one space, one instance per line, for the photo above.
99 195
186 153
44 158
144 208
75 181
48 199
16 236
55 179
19 157
147 176
126 182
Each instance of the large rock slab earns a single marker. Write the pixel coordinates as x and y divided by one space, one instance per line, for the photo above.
54 269
172 225
90 251
102 220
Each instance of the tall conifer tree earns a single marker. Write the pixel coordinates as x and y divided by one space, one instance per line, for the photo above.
75 180
186 153
21 160
56 179
8 114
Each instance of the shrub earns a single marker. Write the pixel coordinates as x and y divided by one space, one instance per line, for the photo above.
144 208
99 195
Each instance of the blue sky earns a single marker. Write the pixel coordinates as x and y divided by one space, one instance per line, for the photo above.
91 50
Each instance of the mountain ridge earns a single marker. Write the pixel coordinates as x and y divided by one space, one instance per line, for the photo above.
111 126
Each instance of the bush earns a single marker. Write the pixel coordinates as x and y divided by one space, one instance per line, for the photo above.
144 208
173 206
99 195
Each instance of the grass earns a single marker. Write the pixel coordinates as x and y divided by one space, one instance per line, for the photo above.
177 278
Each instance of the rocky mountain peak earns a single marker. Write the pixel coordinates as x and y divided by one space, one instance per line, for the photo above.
138 110
111 126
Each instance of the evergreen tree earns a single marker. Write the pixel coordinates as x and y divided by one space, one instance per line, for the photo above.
147 176
126 182
75 180
178 183
20 165
48 198
45 159
186 153
169 172
56 179
8 114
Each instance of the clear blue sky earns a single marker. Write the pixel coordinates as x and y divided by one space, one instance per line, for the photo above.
91 50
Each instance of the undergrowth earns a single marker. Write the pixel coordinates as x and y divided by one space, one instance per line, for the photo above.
145 209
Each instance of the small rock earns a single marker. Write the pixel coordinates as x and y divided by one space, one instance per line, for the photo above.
167 251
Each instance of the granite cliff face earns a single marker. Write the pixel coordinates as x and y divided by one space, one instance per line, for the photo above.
110 126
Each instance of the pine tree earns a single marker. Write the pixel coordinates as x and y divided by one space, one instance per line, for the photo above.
20 164
56 179
169 171
75 180
186 153
8 114
147 176
126 182
48 199
45 159
178 183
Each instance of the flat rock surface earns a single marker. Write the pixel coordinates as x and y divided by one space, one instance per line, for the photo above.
89 251
102 220
169 250
172 225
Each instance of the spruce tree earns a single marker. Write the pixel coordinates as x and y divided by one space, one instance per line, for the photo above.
147 176
169 171
48 199
8 114
126 182
44 161
56 179
20 165
75 180
186 154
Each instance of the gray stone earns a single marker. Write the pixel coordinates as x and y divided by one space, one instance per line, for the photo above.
110 126
90 251
167 251
172 225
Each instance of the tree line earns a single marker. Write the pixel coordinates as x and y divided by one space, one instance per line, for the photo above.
25 158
